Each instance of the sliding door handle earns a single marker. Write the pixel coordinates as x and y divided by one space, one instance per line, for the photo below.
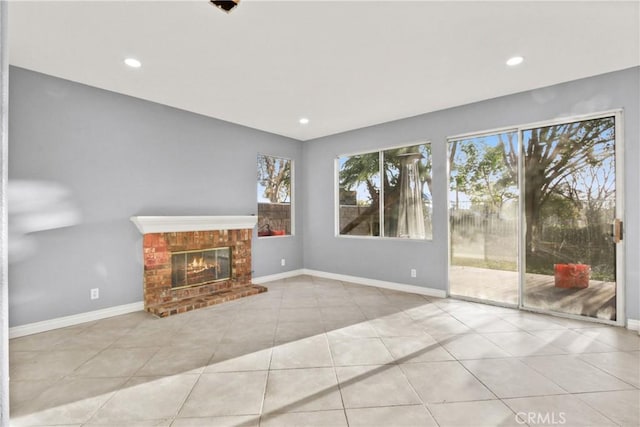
617 231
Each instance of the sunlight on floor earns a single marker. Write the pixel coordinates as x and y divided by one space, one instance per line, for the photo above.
321 352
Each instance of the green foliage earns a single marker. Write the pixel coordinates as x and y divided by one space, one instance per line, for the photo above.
479 170
365 169
569 191
359 169
560 210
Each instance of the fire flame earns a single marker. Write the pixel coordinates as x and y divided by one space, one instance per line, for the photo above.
199 264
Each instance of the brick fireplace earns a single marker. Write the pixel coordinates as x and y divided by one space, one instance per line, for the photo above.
195 262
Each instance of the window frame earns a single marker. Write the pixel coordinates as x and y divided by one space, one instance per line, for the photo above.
380 152
291 196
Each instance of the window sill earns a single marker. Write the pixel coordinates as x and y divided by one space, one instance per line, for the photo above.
402 239
268 236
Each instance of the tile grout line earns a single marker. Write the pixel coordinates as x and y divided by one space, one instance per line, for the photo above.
579 356
333 367
398 307
266 382
404 375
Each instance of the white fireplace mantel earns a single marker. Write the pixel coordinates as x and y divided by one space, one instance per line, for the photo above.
169 224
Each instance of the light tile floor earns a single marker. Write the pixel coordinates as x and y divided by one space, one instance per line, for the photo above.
317 352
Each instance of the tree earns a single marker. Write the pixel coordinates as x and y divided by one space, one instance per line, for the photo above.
553 153
274 174
479 170
560 162
365 169
361 168
592 189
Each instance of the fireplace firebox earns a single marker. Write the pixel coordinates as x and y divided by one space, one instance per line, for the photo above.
186 270
193 268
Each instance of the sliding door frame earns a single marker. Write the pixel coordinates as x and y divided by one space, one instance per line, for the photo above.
619 214
462 137
620 249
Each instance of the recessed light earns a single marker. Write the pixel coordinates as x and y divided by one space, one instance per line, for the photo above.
133 63
304 121
515 60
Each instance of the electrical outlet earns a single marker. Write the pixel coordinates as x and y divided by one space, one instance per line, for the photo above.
95 293
282 262
413 272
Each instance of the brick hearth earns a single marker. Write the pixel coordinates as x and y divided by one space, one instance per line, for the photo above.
163 300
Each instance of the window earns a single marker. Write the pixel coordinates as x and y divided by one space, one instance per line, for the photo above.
386 193
274 196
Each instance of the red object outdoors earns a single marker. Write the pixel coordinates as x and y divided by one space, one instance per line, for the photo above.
572 275
271 233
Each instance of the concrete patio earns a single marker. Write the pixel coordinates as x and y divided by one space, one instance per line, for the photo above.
598 300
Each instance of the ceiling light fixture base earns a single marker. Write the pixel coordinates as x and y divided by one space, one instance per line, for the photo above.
225 5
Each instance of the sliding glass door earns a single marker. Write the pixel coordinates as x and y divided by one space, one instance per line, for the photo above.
483 217
534 217
569 211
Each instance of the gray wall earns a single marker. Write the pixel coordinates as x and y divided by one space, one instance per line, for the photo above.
121 156
392 260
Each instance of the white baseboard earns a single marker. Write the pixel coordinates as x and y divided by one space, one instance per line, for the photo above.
279 276
439 293
76 319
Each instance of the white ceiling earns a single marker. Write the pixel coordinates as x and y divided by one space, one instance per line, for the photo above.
344 65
